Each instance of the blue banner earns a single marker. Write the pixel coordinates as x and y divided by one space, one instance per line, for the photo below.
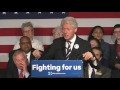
56 68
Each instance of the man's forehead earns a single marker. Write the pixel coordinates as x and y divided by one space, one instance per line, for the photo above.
20 54
25 40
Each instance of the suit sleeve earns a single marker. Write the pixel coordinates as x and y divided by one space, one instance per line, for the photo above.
10 61
113 58
106 73
50 53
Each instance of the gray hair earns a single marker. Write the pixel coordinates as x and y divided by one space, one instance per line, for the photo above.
70 20
17 53
27 24
56 28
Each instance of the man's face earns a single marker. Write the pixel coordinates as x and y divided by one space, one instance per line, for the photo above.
27 31
25 45
116 33
97 54
19 59
93 43
68 31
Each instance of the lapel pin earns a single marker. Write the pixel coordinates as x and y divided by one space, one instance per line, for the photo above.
76 46
98 73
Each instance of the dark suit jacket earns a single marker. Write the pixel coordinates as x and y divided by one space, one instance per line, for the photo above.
57 50
13 73
11 68
114 59
102 72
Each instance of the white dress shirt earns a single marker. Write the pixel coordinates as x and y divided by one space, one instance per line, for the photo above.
72 43
26 75
28 57
90 69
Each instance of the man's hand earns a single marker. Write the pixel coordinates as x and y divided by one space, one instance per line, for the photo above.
37 54
88 55
24 66
117 66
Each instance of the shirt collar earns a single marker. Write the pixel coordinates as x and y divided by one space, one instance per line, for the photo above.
28 53
73 39
19 70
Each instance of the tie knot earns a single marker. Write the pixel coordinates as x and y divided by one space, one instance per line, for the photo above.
69 42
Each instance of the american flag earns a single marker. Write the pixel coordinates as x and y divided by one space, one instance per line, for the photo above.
44 22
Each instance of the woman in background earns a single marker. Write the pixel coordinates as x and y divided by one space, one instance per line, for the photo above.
98 33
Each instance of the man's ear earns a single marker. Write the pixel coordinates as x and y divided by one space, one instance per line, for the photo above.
75 30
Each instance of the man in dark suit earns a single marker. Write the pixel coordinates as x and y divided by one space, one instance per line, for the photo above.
79 48
25 46
70 46
20 70
103 71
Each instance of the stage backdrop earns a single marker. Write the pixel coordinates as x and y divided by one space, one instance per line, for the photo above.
44 22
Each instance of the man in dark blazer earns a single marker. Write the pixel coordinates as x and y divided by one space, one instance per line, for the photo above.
80 49
103 71
25 46
20 70
70 46
57 50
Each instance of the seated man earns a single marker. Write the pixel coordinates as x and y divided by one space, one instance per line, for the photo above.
20 70
28 30
25 46
102 71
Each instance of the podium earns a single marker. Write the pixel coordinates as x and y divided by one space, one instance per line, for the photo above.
57 68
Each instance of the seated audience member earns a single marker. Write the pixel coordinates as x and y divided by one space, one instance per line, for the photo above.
94 42
103 71
28 30
115 53
25 46
98 33
99 55
57 32
20 70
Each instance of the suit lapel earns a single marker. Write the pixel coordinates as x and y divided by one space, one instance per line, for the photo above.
76 51
15 72
64 49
